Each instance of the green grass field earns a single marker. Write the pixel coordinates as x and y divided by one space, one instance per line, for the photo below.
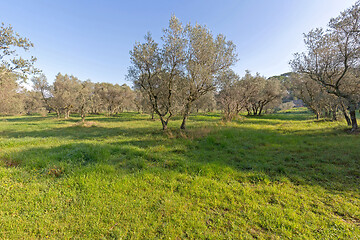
280 176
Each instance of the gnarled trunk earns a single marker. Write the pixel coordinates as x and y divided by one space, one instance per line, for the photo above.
164 123
346 116
354 125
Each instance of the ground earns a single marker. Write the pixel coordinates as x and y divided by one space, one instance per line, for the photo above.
279 176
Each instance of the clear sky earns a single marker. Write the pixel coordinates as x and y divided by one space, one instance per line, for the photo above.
92 39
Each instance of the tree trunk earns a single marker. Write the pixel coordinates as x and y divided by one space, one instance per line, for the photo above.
164 123
354 125
346 115
186 114
334 116
67 113
317 115
261 108
352 109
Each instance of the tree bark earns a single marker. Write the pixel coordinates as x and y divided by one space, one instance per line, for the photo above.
164 123
352 109
354 125
334 116
67 113
345 115
261 108
186 114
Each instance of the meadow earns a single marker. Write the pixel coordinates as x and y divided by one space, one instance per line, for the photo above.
278 176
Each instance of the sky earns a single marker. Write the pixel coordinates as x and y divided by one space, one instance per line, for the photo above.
92 39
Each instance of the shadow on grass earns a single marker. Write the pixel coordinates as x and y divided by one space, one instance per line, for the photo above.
121 117
81 133
328 160
23 119
285 116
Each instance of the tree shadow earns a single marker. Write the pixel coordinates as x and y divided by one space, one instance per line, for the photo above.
80 133
285 116
33 118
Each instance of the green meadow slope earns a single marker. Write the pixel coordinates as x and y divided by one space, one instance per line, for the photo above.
280 176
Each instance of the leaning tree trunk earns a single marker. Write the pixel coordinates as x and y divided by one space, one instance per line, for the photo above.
164 123
260 110
345 115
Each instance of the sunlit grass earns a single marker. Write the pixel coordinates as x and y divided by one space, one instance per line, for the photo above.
276 176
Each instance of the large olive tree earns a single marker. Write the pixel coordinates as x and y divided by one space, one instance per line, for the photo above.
12 67
180 71
156 70
332 58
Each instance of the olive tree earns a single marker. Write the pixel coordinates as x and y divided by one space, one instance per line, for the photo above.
260 93
231 95
206 58
13 67
332 58
10 95
61 95
156 70
10 43
84 99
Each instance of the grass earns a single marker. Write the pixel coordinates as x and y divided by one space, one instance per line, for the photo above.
279 176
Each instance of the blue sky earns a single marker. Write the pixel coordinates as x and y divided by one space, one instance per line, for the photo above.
92 39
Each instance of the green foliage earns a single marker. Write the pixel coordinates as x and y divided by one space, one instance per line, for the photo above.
280 176
10 44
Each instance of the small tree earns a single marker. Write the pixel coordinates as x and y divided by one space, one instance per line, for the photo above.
84 98
261 93
231 96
